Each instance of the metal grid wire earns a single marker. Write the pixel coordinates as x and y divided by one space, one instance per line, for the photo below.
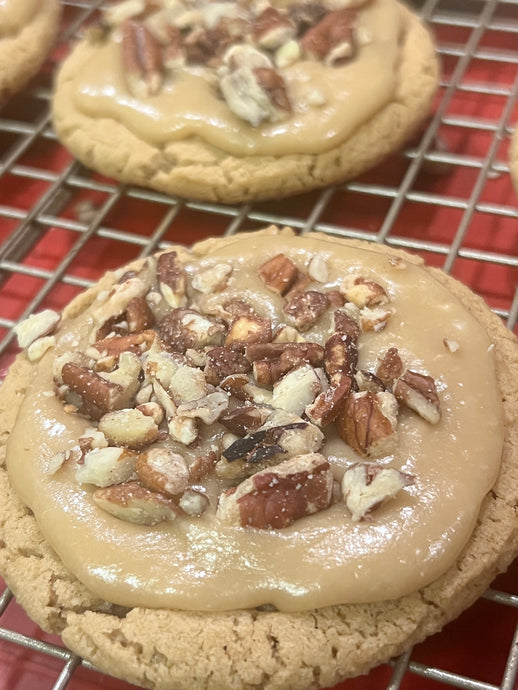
448 196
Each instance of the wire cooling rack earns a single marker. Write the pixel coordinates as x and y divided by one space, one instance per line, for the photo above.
448 196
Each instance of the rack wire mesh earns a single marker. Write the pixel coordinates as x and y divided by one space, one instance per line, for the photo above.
448 196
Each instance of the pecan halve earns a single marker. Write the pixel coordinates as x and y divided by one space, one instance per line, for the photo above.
131 502
275 498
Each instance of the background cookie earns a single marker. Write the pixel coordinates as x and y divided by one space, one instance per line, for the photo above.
192 167
23 50
259 647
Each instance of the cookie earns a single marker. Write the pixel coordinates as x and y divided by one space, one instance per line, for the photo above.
245 102
27 31
267 347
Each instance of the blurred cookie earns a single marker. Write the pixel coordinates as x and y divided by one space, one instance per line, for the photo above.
237 102
27 31
350 487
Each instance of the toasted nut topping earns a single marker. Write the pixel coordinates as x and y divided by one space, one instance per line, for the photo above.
98 395
279 274
193 502
318 269
162 470
172 279
363 292
115 345
256 94
130 428
181 329
223 361
328 404
141 58
297 389
367 381
375 319
304 309
133 503
451 345
276 498
153 410
116 303
335 29
341 356
272 29
368 423
244 420
208 408
36 326
366 486
39 347
123 10
418 392
106 466
390 366
187 383
183 429
139 315
212 279
348 321
249 329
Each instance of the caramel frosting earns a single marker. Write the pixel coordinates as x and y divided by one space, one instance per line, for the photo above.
15 14
331 556
322 103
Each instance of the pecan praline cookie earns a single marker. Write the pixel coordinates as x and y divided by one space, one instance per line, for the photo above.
160 647
27 31
259 101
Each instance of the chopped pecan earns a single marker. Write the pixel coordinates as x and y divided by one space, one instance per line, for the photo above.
368 423
206 46
305 308
39 347
363 292
36 326
208 408
318 269
274 86
193 502
272 28
106 466
212 279
119 13
114 305
244 420
256 94
181 329
134 503
280 274
172 279
327 405
451 345
375 318
390 366
341 356
183 429
367 381
273 360
223 361
128 427
326 38
139 315
347 321
306 15
418 392
203 465
134 342
142 59
97 394
276 498
249 329
367 485
162 470
298 389
187 383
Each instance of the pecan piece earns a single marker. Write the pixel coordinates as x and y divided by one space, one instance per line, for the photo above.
142 59
249 329
172 279
341 356
327 405
276 498
367 485
332 38
36 326
279 274
97 394
182 329
208 408
256 94
418 392
298 388
368 423
390 366
363 292
162 470
347 321
222 362
128 427
139 315
304 309
244 420
134 503
272 28
134 342
106 466
213 279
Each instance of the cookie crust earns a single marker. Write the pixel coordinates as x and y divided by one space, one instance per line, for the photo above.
22 54
242 649
194 169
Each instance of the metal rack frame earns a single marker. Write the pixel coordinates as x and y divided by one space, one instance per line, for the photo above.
402 203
